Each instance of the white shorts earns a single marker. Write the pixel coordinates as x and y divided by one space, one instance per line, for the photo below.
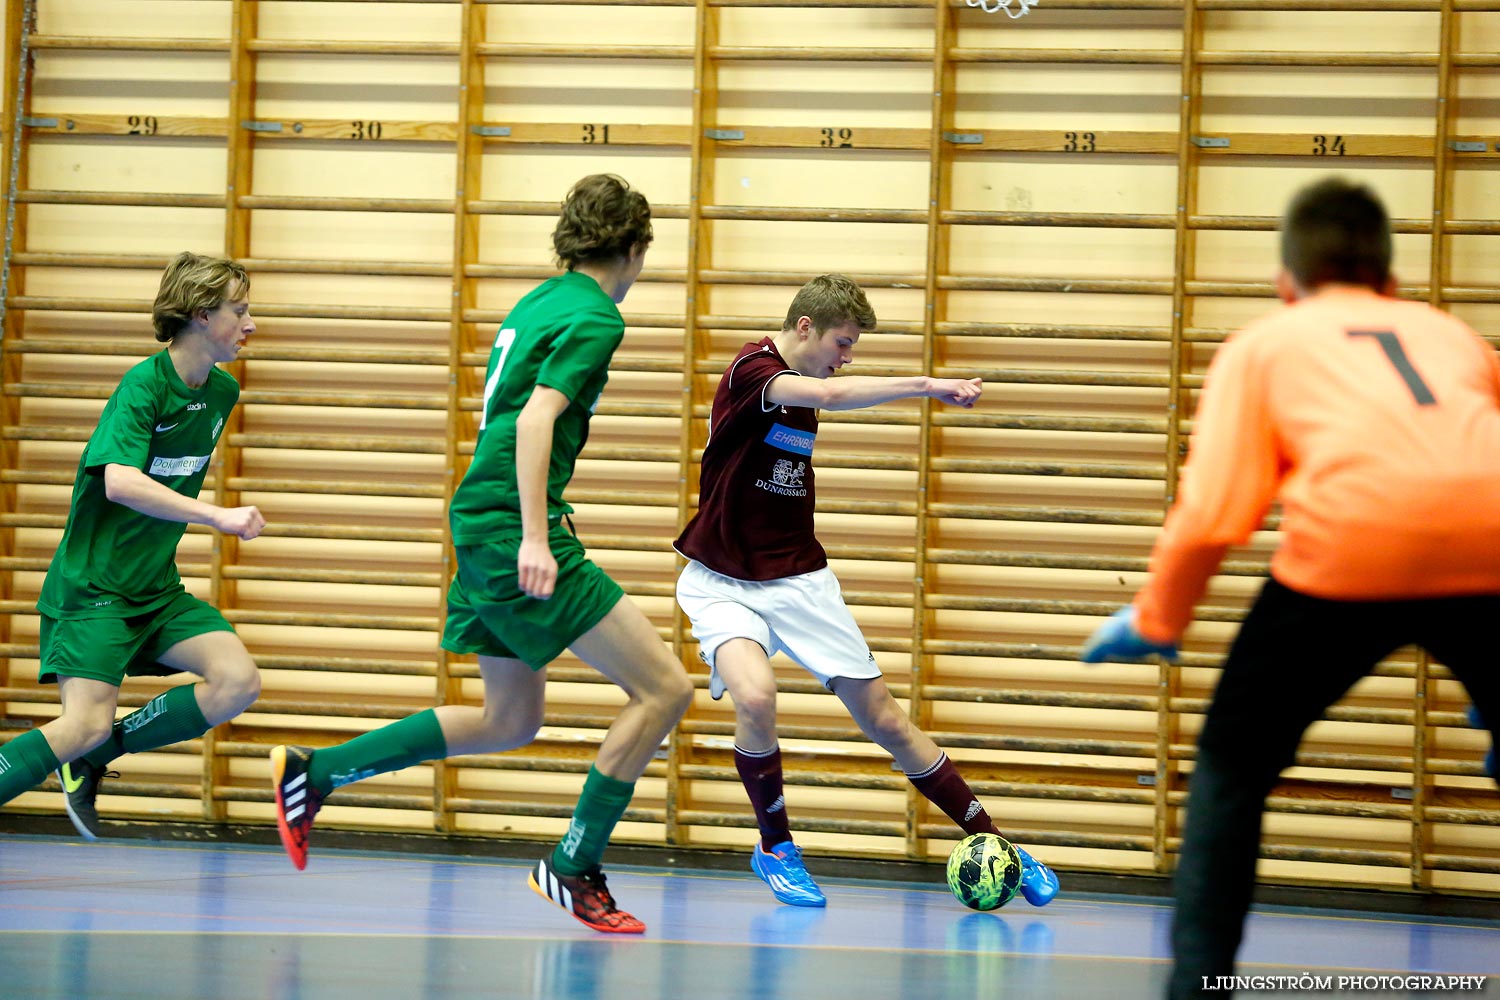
802 616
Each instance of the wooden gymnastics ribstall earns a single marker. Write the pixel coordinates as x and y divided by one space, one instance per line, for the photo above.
977 548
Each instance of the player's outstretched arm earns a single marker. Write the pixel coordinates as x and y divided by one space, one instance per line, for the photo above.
1119 639
957 391
854 392
130 487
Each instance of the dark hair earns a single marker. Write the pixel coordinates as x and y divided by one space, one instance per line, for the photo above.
192 282
831 300
602 220
1337 231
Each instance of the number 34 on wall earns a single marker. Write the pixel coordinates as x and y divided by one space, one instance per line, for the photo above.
1328 145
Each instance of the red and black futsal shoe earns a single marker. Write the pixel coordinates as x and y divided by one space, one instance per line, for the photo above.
297 801
585 896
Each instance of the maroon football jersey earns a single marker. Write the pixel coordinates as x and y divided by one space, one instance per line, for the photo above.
755 497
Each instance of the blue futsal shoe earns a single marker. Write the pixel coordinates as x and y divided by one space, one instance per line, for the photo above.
783 871
1038 882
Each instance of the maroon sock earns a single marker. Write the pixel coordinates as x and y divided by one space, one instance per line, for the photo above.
947 789
761 774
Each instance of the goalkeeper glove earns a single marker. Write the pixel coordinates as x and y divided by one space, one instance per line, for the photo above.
1119 639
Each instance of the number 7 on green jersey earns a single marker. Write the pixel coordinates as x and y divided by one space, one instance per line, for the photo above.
502 344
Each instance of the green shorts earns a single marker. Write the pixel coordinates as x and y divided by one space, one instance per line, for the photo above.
110 649
489 615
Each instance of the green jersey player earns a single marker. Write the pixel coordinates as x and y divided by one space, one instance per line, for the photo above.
112 604
525 590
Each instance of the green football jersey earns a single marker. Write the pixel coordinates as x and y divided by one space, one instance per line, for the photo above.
561 335
113 561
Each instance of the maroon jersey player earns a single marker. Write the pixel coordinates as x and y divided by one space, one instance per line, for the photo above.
757 582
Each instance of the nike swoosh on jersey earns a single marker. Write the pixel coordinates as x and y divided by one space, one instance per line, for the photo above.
70 783
162 430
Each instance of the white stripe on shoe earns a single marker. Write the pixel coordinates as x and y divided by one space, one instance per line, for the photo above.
552 885
294 797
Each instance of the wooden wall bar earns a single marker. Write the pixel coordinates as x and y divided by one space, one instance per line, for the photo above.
1078 205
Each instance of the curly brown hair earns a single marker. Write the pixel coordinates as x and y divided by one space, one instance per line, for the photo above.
602 219
192 282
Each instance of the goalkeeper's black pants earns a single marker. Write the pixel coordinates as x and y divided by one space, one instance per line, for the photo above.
1294 656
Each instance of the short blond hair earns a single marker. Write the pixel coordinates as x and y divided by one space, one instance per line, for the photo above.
192 282
831 300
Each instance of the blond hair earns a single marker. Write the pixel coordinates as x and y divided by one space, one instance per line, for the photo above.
192 282
831 300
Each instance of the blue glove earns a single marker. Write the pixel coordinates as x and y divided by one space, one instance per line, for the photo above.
1489 758
1118 639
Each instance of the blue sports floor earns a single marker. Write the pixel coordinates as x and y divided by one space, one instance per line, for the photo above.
157 921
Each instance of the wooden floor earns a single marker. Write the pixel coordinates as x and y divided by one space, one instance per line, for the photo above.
157 921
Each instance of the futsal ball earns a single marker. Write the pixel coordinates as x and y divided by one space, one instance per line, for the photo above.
984 871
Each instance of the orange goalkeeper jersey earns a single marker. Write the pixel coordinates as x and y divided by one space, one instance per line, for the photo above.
1377 423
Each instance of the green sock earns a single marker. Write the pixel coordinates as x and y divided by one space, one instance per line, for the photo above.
599 808
170 717
25 763
390 748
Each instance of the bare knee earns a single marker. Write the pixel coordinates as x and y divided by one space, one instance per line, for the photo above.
890 728
756 708
677 692
95 732
229 689
73 735
512 725
244 684
239 684
670 693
